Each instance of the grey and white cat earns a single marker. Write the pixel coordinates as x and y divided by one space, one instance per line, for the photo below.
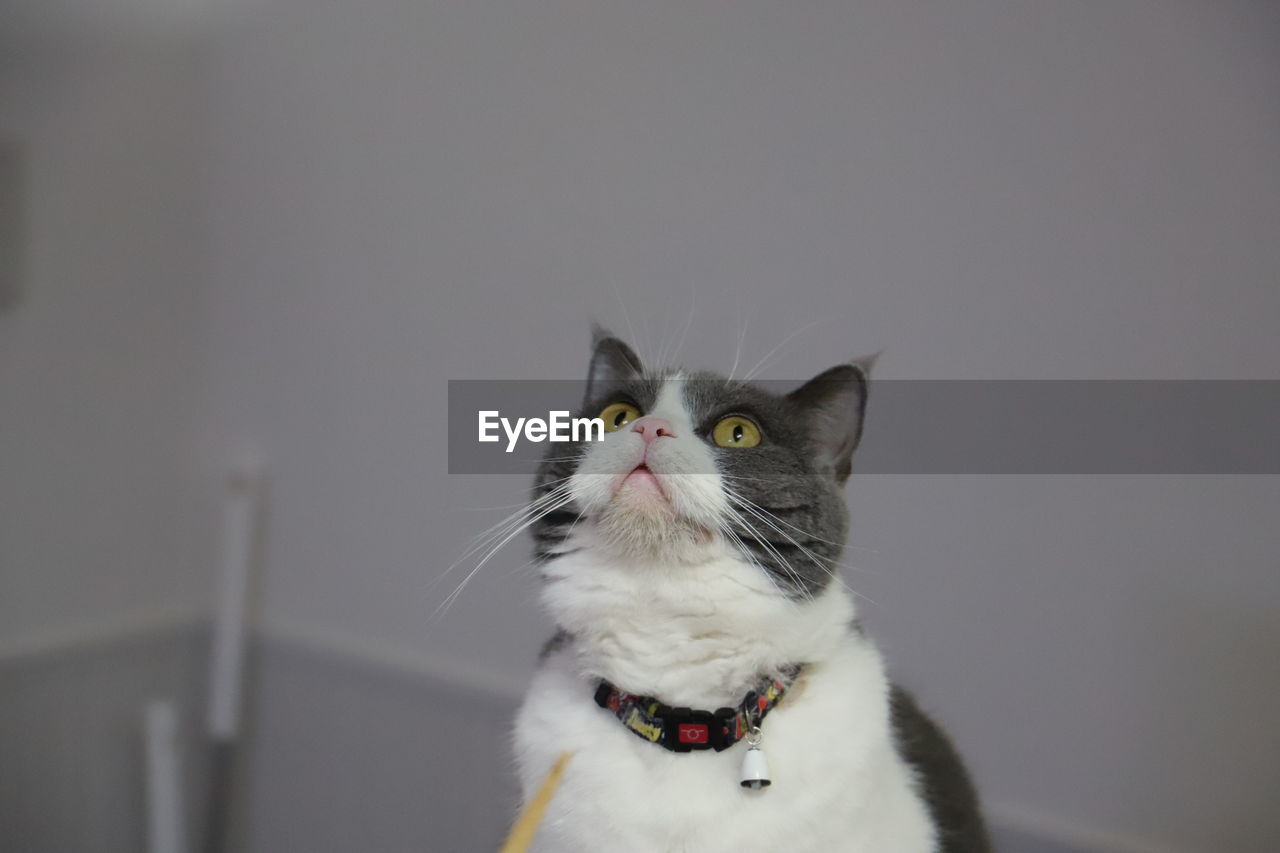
688 558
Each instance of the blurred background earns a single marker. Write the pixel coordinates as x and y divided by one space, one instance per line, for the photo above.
271 230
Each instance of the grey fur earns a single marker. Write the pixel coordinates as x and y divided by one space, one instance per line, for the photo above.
944 782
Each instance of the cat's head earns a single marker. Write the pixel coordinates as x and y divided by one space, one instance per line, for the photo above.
694 464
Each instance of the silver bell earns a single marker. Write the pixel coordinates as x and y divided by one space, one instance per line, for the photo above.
755 770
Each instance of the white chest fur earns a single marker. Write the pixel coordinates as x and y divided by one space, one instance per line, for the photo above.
839 785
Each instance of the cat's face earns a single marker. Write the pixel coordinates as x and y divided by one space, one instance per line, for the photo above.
694 463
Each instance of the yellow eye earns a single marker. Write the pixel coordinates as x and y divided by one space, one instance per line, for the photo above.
618 415
736 431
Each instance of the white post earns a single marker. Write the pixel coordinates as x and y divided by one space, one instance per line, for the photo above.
230 626
166 830
230 636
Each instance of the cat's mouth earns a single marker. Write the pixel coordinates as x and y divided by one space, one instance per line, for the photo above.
643 479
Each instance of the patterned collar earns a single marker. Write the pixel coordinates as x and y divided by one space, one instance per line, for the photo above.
686 729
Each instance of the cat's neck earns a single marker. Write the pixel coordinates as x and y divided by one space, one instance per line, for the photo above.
695 635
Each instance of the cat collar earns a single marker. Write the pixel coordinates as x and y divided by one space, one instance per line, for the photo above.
688 729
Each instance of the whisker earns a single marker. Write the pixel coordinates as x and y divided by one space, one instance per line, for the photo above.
574 458
485 537
453 596
757 508
785 564
693 304
746 552
817 561
787 523
568 534
626 318
524 504
737 352
761 363
764 515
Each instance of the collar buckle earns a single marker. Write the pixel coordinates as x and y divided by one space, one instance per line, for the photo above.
686 729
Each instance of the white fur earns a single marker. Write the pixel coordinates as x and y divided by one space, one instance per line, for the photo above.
695 628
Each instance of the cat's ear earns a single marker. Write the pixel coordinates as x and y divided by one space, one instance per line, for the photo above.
611 361
835 402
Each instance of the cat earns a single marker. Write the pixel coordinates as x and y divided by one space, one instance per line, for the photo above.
688 560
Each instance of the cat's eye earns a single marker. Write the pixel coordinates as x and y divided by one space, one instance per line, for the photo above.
618 415
736 431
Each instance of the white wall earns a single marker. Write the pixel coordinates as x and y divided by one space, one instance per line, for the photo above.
405 193
99 359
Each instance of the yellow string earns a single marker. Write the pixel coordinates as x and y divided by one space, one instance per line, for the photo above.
526 826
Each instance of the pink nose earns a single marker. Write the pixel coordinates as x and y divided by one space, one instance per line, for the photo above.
650 428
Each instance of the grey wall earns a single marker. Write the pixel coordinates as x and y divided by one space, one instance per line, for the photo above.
99 360
406 193
103 548
352 754
71 739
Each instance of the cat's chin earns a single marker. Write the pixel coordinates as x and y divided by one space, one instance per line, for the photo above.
639 525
